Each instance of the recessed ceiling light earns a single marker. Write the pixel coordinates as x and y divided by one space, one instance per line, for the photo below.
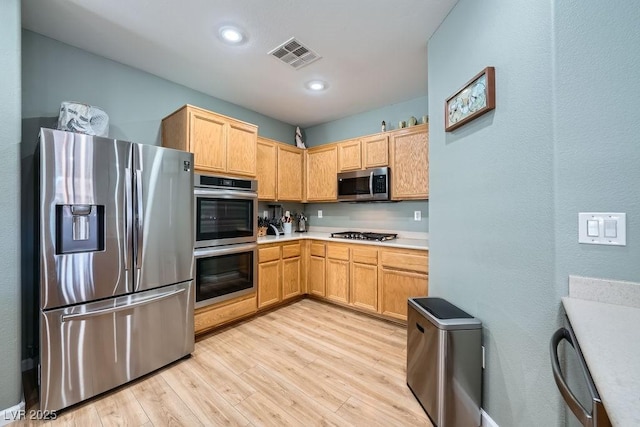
316 85
231 35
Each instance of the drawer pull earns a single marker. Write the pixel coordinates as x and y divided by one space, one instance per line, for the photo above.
420 328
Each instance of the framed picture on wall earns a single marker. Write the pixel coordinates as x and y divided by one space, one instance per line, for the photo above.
476 97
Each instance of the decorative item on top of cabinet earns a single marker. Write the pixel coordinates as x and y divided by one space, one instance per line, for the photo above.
409 150
219 143
321 180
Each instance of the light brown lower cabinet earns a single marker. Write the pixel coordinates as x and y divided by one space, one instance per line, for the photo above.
269 283
402 274
316 269
364 286
316 282
207 318
375 279
279 273
364 277
369 278
338 280
291 277
337 273
396 287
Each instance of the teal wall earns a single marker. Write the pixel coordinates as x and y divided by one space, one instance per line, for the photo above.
10 374
491 211
366 123
135 101
506 188
374 216
597 131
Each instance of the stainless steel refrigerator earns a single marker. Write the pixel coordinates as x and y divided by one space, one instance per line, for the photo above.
116 263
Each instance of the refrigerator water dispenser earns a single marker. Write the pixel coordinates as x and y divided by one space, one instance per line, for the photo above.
79 228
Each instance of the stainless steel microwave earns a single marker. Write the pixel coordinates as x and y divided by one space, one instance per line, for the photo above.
364 185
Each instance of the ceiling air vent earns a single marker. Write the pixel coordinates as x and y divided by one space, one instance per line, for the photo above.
294 53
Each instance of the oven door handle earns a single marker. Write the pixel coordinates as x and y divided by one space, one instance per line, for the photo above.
225 194
224 250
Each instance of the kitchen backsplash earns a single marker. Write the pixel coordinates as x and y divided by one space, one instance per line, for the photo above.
374 216
370 216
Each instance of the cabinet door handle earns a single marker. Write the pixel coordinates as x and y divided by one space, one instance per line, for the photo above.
420 328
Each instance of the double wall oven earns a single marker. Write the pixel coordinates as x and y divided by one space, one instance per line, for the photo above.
226 232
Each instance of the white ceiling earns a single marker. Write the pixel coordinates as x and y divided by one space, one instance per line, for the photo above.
374 52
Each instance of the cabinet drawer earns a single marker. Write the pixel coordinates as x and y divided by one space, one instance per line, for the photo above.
289 251
268 254
406 260
208 317
364 255
338 252
317 249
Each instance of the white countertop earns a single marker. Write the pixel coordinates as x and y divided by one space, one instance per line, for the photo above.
609 337
404 243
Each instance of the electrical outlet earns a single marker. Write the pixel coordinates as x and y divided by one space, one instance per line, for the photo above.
417 215
265 214
319 214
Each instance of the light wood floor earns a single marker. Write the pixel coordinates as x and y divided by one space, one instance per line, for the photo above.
308 363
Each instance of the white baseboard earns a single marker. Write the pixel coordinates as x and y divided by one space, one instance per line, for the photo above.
12 414
487 421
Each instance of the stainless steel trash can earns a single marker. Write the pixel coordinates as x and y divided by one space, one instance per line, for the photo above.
444 361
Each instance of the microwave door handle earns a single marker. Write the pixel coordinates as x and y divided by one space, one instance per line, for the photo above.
371 184
585 418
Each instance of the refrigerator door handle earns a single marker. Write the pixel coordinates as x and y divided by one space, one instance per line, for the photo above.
128 218
110 310
139 221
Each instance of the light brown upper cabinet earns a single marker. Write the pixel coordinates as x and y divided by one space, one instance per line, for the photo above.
409 150
363 153
375 151
349 155
219 144
280 171
321 181
290 172
267 169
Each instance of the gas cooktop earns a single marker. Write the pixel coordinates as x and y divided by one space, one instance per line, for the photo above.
380 237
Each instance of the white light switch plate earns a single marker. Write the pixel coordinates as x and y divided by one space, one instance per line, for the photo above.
319 213
417 215
616 225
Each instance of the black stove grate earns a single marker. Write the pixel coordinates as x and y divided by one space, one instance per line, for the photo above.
357 235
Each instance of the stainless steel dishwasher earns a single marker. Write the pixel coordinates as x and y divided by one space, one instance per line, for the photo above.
444 361
594 414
